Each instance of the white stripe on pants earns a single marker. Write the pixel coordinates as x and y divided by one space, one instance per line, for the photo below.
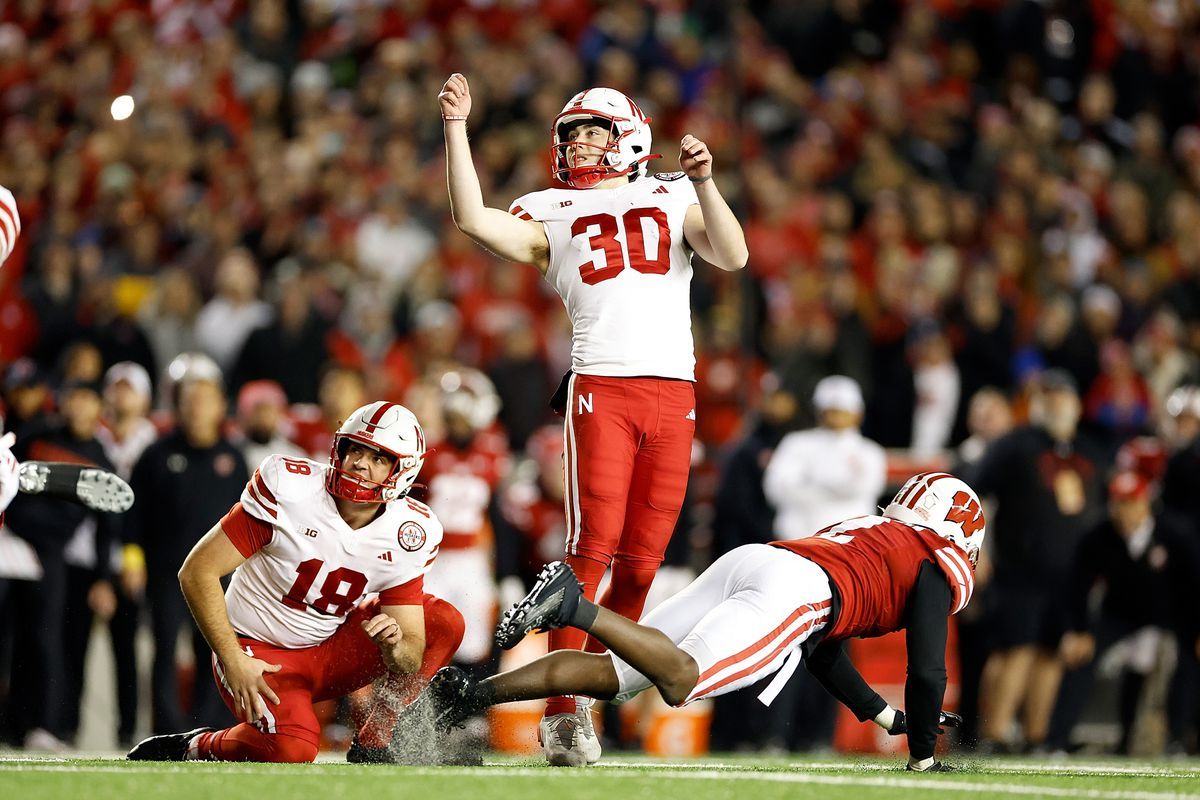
739 619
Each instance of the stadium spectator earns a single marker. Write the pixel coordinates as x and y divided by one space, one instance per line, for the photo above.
125 435
53 614
184 480
831 472
1047 482
1147 568
262 416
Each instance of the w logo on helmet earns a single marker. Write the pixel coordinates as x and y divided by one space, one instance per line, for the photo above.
967 513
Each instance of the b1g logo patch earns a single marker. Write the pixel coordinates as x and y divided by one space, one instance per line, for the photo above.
411 536
668 176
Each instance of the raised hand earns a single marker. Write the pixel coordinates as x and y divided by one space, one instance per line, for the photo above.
694 158
455 99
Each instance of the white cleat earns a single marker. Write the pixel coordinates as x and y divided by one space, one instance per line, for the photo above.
559 736
589 742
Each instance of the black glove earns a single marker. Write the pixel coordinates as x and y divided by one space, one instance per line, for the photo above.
946 719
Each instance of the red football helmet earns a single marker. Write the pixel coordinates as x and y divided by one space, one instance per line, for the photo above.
629 138
385 426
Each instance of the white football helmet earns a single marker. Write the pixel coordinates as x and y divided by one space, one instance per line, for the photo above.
385 426
629 138
470 394
944 504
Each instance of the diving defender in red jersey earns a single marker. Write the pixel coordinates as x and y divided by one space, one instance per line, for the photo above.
758 611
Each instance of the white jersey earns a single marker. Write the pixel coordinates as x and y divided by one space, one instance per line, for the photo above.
620 263
296 589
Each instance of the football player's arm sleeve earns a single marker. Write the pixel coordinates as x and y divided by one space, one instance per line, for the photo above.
927 627
247 533
831 665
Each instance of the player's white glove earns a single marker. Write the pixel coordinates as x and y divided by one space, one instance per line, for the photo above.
10 223
9 471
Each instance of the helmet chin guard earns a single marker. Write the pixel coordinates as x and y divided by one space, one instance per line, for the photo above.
629 139
387 427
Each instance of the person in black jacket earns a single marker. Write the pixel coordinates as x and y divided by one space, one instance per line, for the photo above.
1148 573
183 481
1181 499
1047 481
47 654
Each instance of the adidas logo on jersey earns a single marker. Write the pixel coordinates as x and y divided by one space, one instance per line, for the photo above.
690 415
660 190
386 556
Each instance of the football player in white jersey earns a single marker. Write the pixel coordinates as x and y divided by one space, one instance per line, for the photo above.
616 244
327 593
10 228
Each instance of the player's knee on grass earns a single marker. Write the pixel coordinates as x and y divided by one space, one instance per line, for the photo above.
290 750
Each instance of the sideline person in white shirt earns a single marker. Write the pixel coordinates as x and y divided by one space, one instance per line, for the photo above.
831 472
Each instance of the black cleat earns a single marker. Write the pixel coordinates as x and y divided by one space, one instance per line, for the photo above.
359 754
95 488
937 766
445 703
424 733
550 604
168 747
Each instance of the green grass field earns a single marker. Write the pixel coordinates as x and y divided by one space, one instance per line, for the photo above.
712 778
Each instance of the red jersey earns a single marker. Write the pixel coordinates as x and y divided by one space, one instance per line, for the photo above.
874 563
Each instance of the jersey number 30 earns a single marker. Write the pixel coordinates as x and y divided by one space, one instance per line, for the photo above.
607 228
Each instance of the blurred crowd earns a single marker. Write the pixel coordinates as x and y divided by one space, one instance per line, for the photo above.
982 216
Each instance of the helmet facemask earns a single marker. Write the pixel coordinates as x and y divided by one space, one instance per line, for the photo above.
628 145
359 489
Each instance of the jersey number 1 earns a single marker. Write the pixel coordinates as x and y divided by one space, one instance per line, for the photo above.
605 239
333 600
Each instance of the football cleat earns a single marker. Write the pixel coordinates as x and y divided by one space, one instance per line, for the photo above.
937 766
98 489
424 732
168 747
550 604
589 742
559 735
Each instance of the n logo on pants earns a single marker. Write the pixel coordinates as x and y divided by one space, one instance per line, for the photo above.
585 402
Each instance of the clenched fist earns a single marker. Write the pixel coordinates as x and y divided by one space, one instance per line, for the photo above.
694 158
455 99
383 630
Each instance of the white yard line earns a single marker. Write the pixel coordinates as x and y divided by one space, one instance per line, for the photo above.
671 773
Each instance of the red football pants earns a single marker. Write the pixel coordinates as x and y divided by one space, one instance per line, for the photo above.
628 453
290 732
